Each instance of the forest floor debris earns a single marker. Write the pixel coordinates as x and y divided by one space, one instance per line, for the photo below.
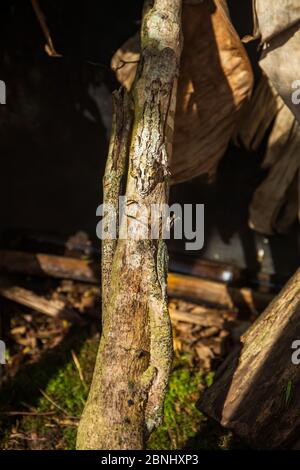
50 362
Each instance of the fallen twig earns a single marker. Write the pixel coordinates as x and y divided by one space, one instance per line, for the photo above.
78 367
26 413
60 408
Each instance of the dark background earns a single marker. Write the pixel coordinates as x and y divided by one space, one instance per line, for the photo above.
54 131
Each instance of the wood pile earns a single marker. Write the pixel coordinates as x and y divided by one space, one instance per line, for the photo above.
209 309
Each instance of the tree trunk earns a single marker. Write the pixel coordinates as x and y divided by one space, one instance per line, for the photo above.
257 389
126 398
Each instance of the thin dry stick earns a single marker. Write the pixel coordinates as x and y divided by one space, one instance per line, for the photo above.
54 403
78 367
24 437
26 413
49 47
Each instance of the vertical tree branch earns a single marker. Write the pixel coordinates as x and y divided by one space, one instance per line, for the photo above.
113 180
126 398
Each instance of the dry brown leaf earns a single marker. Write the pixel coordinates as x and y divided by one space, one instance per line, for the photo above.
215 81
279 25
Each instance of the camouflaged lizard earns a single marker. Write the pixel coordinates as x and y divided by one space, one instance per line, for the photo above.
150 157
155 378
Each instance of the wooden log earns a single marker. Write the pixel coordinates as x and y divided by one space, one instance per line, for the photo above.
180 310
79 245
215 293
21 261
183 263
27 298
257 390
199 315
215 271
39 264
182 286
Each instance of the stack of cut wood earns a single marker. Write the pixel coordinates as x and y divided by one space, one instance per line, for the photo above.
203 333
209 310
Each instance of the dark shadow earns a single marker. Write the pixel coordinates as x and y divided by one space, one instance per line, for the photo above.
54 128
25 386
212 431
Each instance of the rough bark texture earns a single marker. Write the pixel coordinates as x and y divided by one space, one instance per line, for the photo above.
256 391
134 359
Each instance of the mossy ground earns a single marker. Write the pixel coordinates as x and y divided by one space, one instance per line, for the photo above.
54 386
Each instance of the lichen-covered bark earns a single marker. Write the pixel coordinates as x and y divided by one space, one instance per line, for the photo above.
113 179
126 398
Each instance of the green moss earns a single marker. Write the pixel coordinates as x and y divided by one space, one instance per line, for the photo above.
67 390
69 438
209 378
184 426
181 417
58 377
